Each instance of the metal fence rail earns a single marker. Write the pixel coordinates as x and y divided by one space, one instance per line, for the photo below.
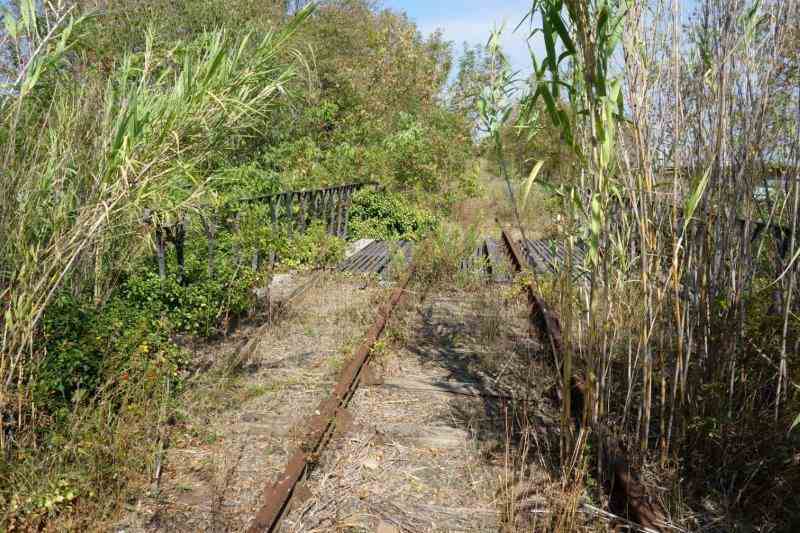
290 212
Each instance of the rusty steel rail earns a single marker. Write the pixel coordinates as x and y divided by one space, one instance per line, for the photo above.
541 316
625 490
322 424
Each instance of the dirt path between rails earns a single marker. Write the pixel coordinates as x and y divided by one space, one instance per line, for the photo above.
237 431
437 427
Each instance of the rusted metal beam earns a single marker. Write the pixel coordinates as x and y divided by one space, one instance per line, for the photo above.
626 493
324 421
541 316
269 197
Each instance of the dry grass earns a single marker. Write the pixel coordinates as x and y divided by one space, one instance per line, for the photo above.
411 459
421 460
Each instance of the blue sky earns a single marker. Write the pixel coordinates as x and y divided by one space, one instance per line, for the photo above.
471 21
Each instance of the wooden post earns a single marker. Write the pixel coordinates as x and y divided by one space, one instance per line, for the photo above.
273 206
161 253
179 240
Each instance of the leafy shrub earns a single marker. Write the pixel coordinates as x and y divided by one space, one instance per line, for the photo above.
72 360
429 152
243 181
313 247
85 346
388 216
82 343
83 459
201 302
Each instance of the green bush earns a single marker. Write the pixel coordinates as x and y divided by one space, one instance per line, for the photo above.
314 247
73 360
200 303
388 216
85 346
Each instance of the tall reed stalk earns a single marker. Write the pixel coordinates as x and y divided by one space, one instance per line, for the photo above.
679 120
82 158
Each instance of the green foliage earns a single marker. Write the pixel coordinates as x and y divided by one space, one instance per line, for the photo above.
410 154
473 75
85 346
199 304
315 247
365 118
73 361
246 180
114 31
528 139
82 461
385 215
81 169
404 150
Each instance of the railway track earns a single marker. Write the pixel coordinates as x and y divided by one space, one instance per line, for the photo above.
626 494
490 259
320 427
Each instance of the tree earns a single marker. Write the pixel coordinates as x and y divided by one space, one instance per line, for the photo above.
474 73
